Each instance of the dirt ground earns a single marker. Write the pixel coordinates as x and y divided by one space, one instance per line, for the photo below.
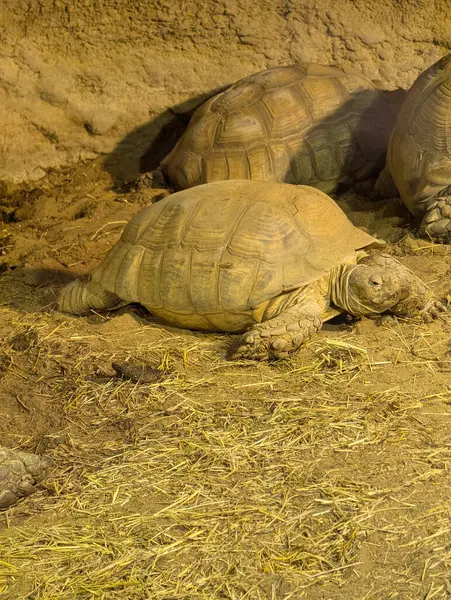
324 477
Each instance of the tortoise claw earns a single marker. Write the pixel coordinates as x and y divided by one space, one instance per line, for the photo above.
433 310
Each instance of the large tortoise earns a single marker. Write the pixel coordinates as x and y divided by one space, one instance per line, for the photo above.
307 124
419 150
274 259
19 473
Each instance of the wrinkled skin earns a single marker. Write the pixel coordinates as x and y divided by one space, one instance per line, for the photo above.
419 151
415 297
375 285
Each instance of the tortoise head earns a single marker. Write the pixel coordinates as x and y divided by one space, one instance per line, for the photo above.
367 289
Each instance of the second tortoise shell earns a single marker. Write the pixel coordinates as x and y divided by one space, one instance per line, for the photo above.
307 124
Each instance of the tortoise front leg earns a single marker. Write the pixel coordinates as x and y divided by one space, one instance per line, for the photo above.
417 298
436 223
156 180
278 337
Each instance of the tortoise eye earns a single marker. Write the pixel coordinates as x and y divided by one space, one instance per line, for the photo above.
376 280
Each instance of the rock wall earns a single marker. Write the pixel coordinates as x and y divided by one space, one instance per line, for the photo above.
79 78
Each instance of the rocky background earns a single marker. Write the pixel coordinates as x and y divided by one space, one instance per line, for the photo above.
79 78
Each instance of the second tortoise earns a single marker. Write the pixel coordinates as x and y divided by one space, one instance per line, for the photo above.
306 124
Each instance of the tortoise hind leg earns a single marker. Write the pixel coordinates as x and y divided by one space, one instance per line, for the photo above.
436 223
79 298
282 335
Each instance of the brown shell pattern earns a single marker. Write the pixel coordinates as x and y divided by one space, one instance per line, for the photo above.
309 124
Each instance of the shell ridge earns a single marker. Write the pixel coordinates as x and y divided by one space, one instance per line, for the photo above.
188 221
125 254
343 91
239 216
102 273
304 100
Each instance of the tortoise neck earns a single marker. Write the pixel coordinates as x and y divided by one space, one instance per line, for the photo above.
339 288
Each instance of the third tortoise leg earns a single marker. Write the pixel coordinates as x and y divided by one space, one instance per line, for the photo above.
417 299
436 223
80 297
155 179
278 337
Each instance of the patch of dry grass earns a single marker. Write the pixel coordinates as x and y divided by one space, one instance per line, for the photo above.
231 480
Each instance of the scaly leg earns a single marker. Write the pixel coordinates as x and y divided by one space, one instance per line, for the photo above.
278 337
155 179
436 223
19 472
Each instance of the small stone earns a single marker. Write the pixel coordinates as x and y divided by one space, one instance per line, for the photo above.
138 372
22 341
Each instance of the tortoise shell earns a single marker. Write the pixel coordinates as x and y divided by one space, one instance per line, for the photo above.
419 150
206 257
19 471
306 124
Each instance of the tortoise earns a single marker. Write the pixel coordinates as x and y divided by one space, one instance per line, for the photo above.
269 259
306 124
19 472
419 151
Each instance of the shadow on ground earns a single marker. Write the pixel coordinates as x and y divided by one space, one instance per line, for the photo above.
32 289
144 148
